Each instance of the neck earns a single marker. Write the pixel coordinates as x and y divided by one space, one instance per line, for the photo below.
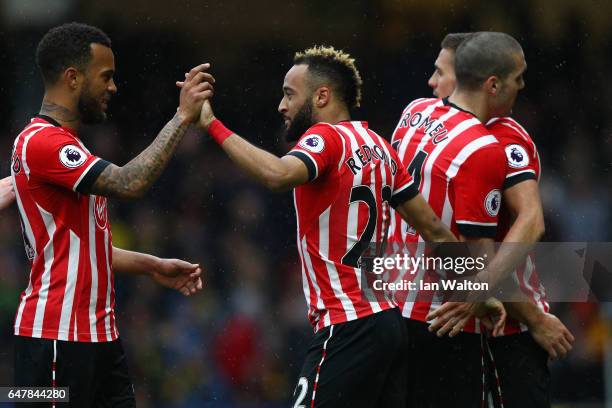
333 115
473 102
61 110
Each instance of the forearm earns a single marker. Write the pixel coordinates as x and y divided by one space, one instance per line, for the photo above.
527 313
130 262
265 167
513 251
136 177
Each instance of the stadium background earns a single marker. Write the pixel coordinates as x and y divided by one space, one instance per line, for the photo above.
241 342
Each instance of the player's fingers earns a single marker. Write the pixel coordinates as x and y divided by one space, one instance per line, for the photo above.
458 327
551 352
561 350
205 76
196 274
205 95
566 345
441 310
195 70
498 330
199 284
202 77
436 324
446 328
569 336
204 86
180 84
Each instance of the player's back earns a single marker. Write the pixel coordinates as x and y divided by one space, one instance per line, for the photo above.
459 168
440 144
355 177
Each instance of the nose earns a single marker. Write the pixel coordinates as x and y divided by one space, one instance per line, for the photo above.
433 82
282 106
112 87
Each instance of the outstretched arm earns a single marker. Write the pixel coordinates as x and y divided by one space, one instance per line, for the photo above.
172 273
136 177
276 173
7 195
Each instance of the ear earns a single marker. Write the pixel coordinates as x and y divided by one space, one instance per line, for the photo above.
321 96
493 85
72 78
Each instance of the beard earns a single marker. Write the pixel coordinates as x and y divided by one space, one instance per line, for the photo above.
300 123
90 108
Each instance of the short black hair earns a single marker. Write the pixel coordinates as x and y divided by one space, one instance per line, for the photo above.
453 40
483 55
65 46
337 67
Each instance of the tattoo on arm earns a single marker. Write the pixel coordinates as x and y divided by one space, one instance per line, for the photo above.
137 176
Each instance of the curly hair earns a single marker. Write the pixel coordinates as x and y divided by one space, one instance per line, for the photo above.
337 67
65 46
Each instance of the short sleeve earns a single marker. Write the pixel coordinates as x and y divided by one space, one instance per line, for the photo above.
521 164
521 154
320 148
476 192
60 159
404 187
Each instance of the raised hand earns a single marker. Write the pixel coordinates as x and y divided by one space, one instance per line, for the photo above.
206 115
179 275
196 88
7 195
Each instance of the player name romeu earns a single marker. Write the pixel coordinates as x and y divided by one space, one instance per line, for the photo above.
434 128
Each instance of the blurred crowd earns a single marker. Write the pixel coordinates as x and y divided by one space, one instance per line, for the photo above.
242 340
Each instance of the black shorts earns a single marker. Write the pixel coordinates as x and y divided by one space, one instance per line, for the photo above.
355 364
443 372
522 371
96 373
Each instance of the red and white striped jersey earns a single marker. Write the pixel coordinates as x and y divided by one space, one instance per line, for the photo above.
355 176
523 164
459 168
70 295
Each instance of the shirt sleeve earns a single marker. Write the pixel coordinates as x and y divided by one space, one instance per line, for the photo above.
320 148
521 154
58 158
521 163
476 192
404 187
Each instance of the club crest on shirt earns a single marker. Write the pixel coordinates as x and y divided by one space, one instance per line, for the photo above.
517 156
312 143
493 202
100 213
72 156
16 164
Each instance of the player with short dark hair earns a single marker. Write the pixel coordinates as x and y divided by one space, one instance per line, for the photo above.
460 168
345 179
65 330
521 220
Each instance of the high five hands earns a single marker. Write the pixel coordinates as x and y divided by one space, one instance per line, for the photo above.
195 89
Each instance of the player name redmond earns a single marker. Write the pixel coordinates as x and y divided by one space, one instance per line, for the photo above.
444 284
